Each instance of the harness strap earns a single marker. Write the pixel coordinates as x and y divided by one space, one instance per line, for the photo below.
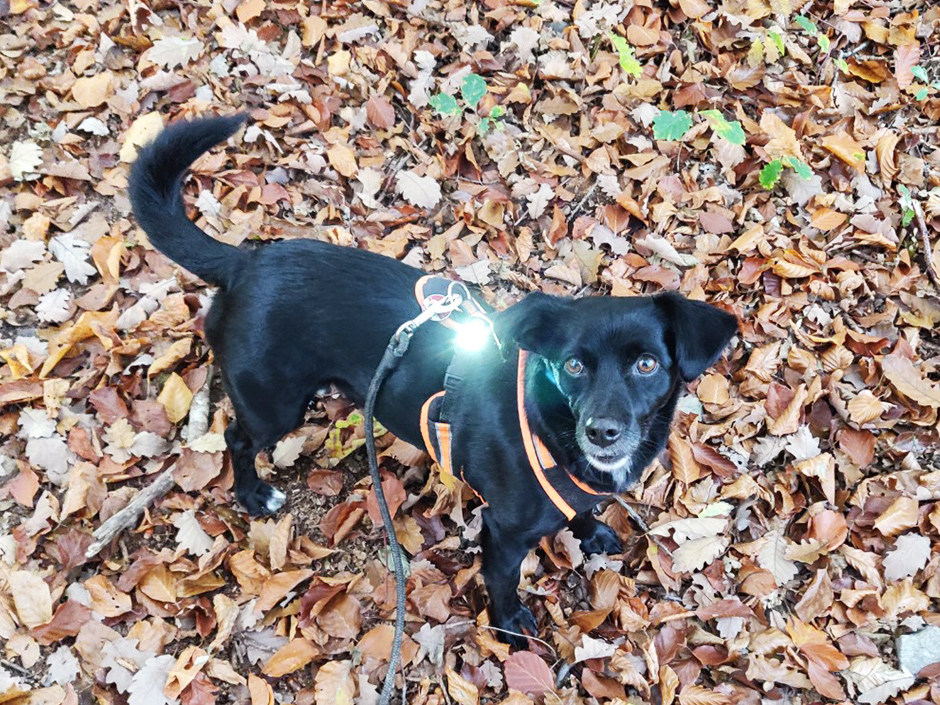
529 440
561 487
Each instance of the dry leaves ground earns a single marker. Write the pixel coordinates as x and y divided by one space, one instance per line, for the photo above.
767 155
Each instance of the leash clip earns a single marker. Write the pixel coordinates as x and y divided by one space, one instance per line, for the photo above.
402 338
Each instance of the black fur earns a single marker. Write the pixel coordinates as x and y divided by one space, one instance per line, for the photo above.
293 316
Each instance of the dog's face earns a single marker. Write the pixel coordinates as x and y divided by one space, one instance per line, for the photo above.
616 365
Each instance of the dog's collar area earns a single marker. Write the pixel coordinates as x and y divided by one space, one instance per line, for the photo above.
570 495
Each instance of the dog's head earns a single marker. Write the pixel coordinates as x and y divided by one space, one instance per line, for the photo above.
616 365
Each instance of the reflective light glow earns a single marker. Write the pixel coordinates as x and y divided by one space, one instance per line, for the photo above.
472 335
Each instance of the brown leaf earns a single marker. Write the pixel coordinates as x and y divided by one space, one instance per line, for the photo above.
684 467
826 683
343 159
92 91
901 515
275 588
261 693
335 684
694 9
817 599
826 219
885 151
789 419
847 149
159 584
783 141
341 519
176 398
559 227
528 673
380 112
395 495
280 540
329 483
249 10
31 598
460 689
858 445
24 486
342 617
696 695
106 599
906 57
188 665
291 657
904 377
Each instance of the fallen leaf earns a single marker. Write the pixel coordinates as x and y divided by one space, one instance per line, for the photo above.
176 398
528 673
31 598
421 191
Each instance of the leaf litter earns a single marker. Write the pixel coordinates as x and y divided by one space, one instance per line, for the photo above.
775 166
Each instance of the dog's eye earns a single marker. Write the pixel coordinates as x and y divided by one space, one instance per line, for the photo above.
574 367
647 364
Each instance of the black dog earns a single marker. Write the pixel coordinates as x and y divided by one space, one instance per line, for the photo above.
574 404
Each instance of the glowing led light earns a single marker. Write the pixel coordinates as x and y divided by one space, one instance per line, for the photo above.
472 335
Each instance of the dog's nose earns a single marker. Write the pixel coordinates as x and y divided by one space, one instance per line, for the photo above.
603 432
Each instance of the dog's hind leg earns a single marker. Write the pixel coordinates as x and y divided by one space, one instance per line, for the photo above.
257 496
261 420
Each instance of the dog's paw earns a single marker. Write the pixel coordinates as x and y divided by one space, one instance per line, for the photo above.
515 625
600 538
262 500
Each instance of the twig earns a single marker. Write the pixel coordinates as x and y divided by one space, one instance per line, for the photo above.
14 667
928 250
577 208
633 513
524 636
124 519
563 674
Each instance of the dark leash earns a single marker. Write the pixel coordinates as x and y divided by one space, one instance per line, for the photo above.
397 347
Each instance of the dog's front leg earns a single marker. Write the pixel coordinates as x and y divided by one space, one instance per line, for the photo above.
503 552
596 537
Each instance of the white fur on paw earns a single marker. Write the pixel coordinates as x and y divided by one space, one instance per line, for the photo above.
275 501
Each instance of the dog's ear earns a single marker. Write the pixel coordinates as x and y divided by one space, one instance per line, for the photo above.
534 324
701 332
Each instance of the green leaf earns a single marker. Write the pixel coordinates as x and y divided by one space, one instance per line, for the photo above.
823 42
670 126
843 65
473 89
778 40
770 174
731 131
445 104
497 112
807 24
800 167
484 126
907 216
628 60
920 73
922 93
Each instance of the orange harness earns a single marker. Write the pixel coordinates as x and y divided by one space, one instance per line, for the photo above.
569 494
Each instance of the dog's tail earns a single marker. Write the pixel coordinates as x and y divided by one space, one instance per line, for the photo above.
156 192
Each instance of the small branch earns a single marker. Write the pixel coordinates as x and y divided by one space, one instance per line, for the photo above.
633 513
580 204
15 667
928 249
127 517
